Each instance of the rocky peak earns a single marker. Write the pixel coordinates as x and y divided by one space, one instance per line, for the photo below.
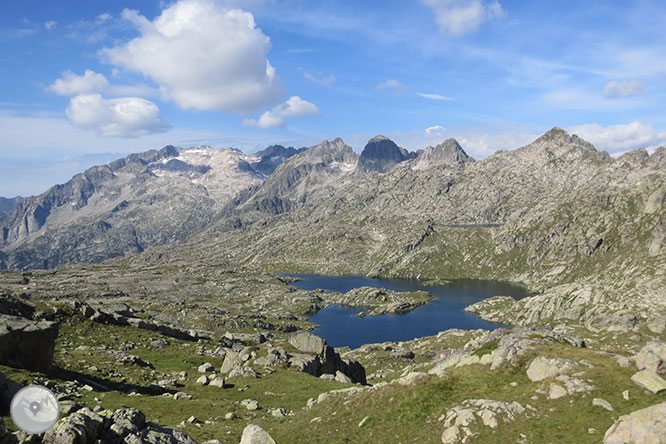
559 137
448 152
381 154
659 157
265 161
634 157
556 148
327 152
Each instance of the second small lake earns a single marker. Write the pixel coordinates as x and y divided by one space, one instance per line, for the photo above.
341 327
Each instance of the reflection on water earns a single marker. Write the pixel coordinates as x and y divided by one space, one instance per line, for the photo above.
340 327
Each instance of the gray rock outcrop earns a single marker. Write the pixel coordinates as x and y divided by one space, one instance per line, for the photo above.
542 368
644 426
650 381
652 356
124 426
253 434
27 344
319 358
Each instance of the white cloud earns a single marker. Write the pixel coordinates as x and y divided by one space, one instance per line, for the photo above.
103 18
433 96
70 84
202 57
325 81
459 17
122 117
390 84
435 130
50 25
294 107
625 88
623 137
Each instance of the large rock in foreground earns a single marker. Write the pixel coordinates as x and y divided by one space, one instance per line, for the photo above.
645 426
652 356
649 380
126 426
325 359
27 344
308 343
253 434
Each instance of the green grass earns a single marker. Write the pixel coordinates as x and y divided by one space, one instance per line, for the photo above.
486 348
397 414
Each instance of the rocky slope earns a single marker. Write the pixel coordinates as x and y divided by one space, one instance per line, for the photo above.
129 205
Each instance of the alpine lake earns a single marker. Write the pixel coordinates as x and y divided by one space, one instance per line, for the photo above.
342 326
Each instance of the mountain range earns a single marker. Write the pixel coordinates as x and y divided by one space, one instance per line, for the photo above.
171 264
130 204
547 214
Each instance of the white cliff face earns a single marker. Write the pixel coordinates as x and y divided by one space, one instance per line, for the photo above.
222 173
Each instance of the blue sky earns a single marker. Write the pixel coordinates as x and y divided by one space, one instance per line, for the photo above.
83 82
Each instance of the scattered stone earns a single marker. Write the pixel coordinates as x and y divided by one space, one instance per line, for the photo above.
159 344
623 361
181 395
230 416
652 356
458 420
341 377
649 380
243 372
217 382
602 403
279 412
645 426
658 326
203 380
363 421
253 434
79 427
412 378
276 357
402 354
574 385
542 367
557 391
625 395
206 368
250 404
68 407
